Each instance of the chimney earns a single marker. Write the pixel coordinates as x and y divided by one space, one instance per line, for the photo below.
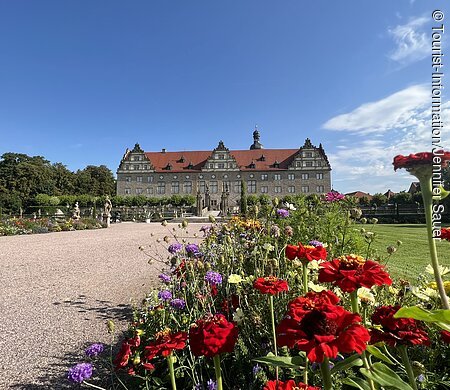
163 150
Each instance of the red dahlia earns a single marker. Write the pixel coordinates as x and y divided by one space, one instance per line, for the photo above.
352 272
165 342
445 336
396 331
323 330
212 335
270 285
445 234
289 385
423 158
305 252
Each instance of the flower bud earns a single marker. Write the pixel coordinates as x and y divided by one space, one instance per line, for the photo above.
164 223
111 326
184 224
275 201
391 249
399 243
212 219
374 220
166 239
362 231
356 213
363 220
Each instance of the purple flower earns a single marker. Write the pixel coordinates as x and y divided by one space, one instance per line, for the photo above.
316 243
205 229
165 295
192 249
174 248
198 386
178 303
421 378
80 372
256 369
334 196
283 213
213 278
94 350
165 278
211 385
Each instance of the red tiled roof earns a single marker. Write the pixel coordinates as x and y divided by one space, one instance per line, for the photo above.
263 159
360 194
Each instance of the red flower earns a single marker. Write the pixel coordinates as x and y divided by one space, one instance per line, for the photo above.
165 343
125 352
445 234
424 158
305 252
445 336
212 336
396 331
270 285
322 330
289 385
298 307
352 272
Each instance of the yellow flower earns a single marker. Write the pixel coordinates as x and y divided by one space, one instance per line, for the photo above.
446 286
393 290
234 279
366 295
316 287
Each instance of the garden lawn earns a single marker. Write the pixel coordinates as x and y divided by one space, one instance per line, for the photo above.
413 255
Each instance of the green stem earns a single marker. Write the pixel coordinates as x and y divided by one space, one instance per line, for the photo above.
326 374
274 333
354 301
427 195
218 372
407 364
305 291
171 371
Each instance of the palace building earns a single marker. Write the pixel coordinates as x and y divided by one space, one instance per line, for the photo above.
215 176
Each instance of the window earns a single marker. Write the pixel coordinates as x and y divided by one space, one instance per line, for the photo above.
127 191
161 188
264 177
305 189
128 179
150 190
139 179
211 166
291 189
320 189
150 179
237 187
277 177
277 189
213 187
221 157
138 191
264 189
291 176
305 176
308 154
187 187
307 163
251 186
202 187
298 164
221 166
175 187
226 186
137 167
319 176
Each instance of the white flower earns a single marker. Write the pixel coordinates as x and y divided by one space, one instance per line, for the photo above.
366 295
442 270
234 279
289 206
316 287
315 265
238 316
268 247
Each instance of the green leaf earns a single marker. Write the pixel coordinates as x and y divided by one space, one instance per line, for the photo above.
351 361
440 317
281 361
383 375
359 383
378 354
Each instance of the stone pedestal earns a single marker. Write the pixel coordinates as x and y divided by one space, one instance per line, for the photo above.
107 219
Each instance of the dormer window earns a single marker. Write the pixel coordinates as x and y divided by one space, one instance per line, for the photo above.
190 166
181 159
168 167
252 165
276 164
262 158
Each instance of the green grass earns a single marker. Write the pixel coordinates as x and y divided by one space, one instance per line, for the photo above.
413 255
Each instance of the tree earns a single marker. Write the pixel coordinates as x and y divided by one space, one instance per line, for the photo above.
95 180
402 198
379 199
243 198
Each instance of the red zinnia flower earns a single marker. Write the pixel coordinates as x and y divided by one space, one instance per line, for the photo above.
423 158
298 307
289 385
352 272
305 252
396 331
445 336
165 343
445 234
323 330
270 285
125 352
212 335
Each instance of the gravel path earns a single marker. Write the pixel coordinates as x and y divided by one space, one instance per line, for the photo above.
57 291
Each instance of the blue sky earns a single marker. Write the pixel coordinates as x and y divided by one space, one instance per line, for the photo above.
80 81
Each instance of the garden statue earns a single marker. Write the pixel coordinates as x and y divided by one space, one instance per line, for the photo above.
76 212
107 211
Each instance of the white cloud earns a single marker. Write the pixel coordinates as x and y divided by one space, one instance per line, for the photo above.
365 162
392 112
412 43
